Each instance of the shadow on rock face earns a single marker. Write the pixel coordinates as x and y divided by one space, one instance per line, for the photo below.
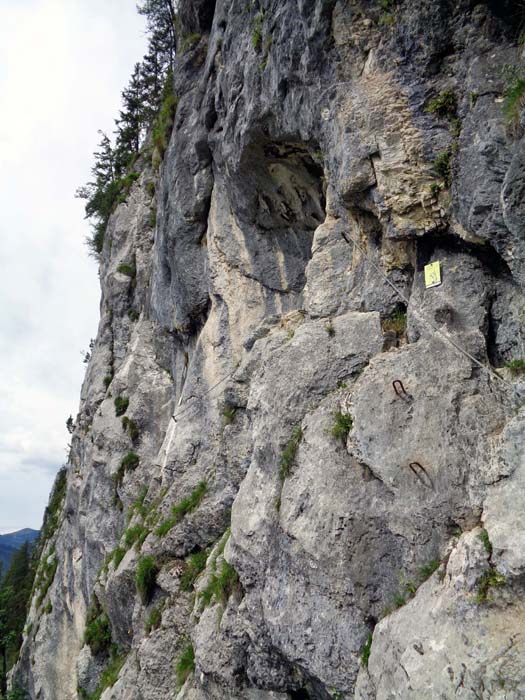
278 201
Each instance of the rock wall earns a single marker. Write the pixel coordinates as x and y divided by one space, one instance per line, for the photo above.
316 490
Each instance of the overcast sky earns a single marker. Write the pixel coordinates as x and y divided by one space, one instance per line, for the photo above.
63 64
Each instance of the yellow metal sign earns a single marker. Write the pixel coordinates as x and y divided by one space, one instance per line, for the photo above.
433 274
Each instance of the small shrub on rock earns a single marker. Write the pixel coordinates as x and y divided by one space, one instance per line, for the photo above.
146 578
121 405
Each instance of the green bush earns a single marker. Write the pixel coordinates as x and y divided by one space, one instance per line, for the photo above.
101 202
516 366
129 426
257 32
185 664
53 510
153 620
135 535
514 100
107 380
98 630
220 585
138 506
46 576
109 675
443 167
128 270
118 556
189 42
130 462
397 322
181 509
289 452
146 578
428 569
150 188
365 651
444 105
121 405
195 564
164 119
484 537
490 579
342 426
387 19
329 328
133 315
409 588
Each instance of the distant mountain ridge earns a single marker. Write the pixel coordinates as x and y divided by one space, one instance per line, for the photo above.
12 541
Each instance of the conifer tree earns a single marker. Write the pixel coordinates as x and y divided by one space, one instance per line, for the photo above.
147 101
131 122
15 592
100 193
161 18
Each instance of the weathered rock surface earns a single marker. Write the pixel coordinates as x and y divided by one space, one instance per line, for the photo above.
278 294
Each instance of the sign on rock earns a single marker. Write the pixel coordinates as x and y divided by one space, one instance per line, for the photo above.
433 274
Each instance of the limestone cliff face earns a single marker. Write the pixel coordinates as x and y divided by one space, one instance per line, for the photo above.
386 559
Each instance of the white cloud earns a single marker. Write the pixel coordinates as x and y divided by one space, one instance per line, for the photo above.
63 64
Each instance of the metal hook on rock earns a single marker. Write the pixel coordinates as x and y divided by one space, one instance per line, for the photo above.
421 473
400 389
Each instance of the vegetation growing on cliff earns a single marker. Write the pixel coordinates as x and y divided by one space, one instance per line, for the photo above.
178 511
148 103
15 591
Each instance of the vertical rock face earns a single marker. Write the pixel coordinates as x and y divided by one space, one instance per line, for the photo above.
293 472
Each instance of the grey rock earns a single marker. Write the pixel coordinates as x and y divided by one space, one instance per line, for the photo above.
295 209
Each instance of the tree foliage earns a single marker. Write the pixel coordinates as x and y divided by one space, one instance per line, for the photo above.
144 105
15 592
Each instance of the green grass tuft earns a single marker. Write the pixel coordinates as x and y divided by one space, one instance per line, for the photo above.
427 570
484 537
443 167
130 426
146 578
121 405
98 629
195 564
514 103
185 664
365 651
135 535
178 511
118 556
490 579
153 620
289 452
165 117
220 585
397 322
45 577
444 105
130 462
128 270
342 426
257 32
516 366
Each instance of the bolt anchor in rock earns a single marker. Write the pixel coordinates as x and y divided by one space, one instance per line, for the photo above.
421 473
400 389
